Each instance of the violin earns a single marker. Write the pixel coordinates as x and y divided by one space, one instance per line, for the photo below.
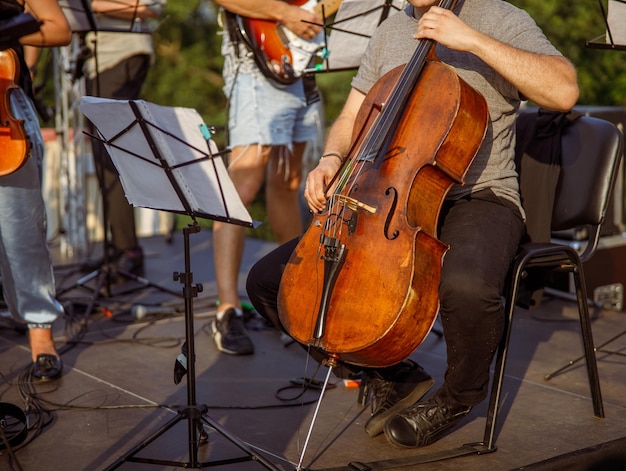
14 145
362 284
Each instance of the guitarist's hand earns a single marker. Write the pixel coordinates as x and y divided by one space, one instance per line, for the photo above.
298 21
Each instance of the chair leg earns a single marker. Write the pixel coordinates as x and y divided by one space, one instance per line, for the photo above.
588 345
498 373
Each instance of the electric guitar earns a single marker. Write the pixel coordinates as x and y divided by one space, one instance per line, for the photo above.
280 54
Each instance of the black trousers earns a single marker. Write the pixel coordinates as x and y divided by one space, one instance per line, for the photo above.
122 82
483 232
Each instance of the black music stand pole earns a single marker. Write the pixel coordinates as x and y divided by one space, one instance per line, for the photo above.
194 413
154 150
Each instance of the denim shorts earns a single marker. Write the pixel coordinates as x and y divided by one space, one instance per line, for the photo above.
261 113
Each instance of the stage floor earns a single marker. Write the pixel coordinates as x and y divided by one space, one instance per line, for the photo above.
118 386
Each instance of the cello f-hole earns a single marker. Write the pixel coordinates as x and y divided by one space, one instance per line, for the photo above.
391 191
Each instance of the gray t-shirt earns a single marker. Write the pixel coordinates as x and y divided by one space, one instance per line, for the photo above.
393 45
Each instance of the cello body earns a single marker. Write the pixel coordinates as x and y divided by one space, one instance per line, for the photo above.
362 283
14 146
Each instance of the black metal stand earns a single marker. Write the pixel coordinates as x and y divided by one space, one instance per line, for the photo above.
193 413
153 139
599 348
596 43
102 274
385 8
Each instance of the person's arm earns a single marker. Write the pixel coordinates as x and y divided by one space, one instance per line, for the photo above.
549 81
292 17
338 142
55 30
31 55
126 9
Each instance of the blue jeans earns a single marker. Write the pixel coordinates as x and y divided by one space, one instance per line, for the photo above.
25 262
263 114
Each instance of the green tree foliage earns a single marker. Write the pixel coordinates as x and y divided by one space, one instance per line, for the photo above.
187 71
188 66
188 63
570 25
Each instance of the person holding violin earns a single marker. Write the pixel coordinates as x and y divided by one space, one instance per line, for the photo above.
500 52
269 126
25 263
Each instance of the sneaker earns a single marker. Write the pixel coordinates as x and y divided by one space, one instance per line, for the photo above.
424 423
392 389
229 334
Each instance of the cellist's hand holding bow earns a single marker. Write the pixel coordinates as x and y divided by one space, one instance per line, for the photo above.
316 191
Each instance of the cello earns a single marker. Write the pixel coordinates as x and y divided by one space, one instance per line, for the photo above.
14 145
362 284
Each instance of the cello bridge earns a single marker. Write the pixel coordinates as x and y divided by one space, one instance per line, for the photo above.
354 204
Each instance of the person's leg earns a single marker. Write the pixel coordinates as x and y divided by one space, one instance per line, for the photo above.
247 172
25 261
284 174
121 82
484 234
263 282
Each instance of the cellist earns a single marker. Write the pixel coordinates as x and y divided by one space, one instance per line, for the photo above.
499 51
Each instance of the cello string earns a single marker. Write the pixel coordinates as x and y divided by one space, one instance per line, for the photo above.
317 408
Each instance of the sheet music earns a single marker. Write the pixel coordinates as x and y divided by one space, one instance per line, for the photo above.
176 133
358 19
616 18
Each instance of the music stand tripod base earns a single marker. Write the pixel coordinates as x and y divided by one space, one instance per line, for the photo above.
171 171
194 414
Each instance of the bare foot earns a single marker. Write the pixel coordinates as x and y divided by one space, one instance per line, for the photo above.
41 341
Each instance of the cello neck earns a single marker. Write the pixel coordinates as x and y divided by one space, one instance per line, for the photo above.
407 81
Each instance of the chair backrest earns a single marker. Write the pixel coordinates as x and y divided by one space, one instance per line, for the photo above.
591 151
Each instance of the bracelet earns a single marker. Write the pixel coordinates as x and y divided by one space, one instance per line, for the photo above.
333 154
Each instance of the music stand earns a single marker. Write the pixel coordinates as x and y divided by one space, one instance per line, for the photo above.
610 37
167 161
350 31
83 20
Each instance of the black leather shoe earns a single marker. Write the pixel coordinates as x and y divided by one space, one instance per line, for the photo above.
392 389
424 423
47 367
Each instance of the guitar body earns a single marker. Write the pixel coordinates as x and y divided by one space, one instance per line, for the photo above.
14 146
280 54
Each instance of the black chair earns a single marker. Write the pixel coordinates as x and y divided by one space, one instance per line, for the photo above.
591 153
